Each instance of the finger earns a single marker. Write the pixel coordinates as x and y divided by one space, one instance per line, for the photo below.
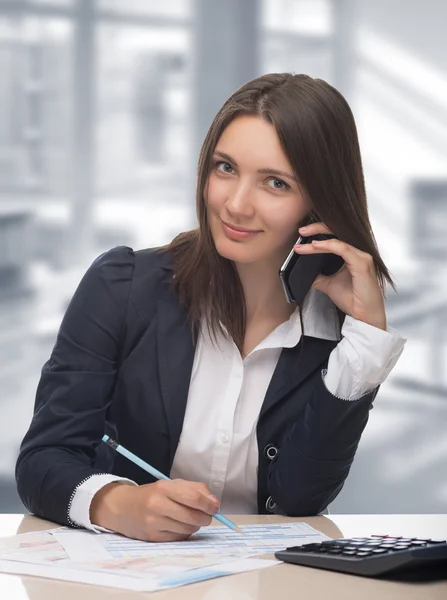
171 525
184 514
193 495
313 229
167 536
156 535
321 283
352 256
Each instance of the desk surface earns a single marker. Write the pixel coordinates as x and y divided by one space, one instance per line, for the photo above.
281 582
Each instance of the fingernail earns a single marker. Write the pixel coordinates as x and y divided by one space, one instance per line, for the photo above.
303 228
316 242
214 499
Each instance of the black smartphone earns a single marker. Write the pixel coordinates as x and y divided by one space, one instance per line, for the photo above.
299 271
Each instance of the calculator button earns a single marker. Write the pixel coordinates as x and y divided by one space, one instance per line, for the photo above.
401 546
362 554
309 547
348 552
344 542
356 544
419 543
335 551
373 544
437 541
379 550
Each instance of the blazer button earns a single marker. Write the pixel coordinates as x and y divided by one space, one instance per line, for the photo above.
270 505
270 451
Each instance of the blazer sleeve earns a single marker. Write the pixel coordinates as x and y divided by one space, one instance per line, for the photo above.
318 450
75 389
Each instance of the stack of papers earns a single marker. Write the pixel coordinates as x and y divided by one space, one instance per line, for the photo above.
113 560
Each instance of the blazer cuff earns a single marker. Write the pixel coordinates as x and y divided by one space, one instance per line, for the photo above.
79 510
362 360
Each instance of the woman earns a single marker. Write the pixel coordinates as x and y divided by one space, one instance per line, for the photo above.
190 354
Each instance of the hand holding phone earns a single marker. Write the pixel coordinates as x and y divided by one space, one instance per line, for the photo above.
298 272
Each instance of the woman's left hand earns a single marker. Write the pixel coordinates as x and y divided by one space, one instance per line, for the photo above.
354 288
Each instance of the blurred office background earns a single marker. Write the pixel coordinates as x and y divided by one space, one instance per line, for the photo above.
103 107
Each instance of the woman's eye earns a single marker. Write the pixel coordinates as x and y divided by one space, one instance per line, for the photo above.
282 184
224 165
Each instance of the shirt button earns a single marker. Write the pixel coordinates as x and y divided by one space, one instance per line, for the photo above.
215 484
224 438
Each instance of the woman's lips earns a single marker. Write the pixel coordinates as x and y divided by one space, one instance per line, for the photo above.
237 234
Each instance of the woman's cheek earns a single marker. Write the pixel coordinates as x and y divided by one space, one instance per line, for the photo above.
215 192
284 224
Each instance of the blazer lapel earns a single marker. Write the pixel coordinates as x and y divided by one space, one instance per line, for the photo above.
175 360
294 365
176 357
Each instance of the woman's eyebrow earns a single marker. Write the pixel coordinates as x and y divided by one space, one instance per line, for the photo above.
265 171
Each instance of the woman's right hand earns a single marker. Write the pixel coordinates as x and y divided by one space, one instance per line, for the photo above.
163 511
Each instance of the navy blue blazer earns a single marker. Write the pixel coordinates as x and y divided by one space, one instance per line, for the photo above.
122 364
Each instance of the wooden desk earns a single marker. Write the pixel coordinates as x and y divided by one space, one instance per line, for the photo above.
284 582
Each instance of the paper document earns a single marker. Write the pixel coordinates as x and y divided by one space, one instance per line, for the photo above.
219 541
113 560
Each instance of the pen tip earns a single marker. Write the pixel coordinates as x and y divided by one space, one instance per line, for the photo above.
238 530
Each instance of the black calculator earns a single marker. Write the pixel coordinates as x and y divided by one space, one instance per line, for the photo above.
372 556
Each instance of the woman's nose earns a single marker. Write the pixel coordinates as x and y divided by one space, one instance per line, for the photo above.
241 200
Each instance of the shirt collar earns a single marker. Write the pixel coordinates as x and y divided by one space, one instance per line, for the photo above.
320 320
320 316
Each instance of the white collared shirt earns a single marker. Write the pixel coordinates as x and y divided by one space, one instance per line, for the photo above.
218 443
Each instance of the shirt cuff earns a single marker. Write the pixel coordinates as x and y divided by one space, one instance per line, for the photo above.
362 360
79 511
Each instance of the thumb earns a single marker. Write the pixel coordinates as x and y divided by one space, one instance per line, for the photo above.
321 283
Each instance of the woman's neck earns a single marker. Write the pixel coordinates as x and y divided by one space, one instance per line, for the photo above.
264 296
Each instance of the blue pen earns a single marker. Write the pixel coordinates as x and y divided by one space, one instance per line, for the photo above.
156 473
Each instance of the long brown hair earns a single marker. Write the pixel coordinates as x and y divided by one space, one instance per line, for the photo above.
317 132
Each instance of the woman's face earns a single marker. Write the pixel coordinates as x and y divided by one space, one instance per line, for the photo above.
245 190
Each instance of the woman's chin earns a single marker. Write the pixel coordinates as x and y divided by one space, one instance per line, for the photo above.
236 252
